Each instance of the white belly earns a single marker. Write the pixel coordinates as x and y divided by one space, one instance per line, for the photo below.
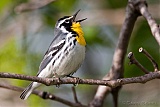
65 64
71 62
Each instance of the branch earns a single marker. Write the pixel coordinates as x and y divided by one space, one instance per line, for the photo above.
45 95
32 5
55 81
116 71
111 83
134 9
154 63
75 95
133 60
143 9
42 94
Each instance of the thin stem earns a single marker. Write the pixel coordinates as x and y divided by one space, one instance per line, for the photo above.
133 60
44 95
154 63
75 95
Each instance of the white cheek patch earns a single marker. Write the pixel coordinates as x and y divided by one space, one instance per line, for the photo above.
62 21
64 29
58 26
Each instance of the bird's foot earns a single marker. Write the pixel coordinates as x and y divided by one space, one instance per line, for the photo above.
58 81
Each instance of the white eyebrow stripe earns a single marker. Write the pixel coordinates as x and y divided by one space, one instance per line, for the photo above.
62 21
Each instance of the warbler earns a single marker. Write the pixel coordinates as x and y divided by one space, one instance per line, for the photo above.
65 53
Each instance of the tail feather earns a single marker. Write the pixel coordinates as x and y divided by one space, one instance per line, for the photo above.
25 94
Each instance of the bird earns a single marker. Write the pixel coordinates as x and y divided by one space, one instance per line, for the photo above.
65 53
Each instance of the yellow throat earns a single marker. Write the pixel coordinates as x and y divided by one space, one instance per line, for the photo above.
80 37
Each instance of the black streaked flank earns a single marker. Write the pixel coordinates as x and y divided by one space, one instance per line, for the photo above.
70 44
74 34
47 60
57 48
69 38
53 62
65 49
74 42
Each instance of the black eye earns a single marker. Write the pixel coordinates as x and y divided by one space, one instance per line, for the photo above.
67 21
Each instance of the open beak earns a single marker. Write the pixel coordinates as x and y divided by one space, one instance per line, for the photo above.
74 16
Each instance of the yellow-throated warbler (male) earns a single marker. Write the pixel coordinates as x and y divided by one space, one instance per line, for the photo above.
65 54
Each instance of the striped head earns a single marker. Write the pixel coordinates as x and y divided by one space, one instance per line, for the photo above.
67 24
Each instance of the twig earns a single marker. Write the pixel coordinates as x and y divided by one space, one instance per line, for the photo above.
141 79
32 5
115 92
143 9
112 83
55 81
42 94
155 65
116 71
75 95
133 60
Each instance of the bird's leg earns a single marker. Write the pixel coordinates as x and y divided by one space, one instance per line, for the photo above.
59 80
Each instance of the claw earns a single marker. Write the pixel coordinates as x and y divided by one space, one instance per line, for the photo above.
77 79
58 81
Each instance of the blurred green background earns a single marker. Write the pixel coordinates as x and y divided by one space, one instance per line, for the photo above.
25 36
